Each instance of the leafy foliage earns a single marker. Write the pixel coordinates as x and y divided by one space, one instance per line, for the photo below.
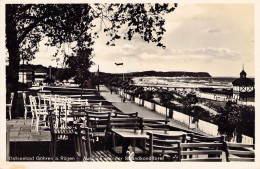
63 23
80 65
63 74
188 101
165 97
237 120
28 24
139 92
228 120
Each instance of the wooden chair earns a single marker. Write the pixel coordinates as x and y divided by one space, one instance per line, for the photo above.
239 152
58 133
85 141
47 100
154 124
78 140
60 110
199 152
10 105
195 138
164 146
126 122
37 112
99 124
88 153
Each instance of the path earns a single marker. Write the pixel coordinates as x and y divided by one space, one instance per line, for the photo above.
130 107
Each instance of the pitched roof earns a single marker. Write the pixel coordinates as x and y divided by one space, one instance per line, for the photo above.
243 82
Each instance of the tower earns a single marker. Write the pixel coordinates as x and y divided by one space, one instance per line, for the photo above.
243 88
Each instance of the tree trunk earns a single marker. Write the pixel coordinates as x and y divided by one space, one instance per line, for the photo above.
14 55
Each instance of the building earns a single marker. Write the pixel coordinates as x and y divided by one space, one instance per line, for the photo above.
25 75
40 75
244 88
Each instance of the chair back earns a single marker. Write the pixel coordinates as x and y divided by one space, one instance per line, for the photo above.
99 123
97 107
194 138
47 100
80 101
199 152
124 115
154 124
165 144
239 152
125 122
80 108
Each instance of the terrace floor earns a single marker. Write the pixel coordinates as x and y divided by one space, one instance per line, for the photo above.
21 130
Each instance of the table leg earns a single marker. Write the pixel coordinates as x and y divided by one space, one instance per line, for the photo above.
126 143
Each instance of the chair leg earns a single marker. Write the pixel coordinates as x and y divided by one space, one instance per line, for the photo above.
37 123
113 140
32 121
10 112
25 113
55 148
51 148
44 119
75 147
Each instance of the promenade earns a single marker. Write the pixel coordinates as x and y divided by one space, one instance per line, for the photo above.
130 107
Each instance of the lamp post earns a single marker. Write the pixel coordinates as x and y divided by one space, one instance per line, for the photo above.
49 74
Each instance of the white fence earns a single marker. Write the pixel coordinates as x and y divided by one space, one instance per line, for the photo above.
160 109
246 103
138 101
128 96
149 105
247 140
212 96
208 128
183 118
203 126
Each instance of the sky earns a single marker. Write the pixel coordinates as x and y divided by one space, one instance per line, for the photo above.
213 38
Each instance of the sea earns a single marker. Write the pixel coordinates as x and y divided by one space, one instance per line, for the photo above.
197 82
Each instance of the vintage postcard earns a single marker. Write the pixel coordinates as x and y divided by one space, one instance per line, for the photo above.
149 84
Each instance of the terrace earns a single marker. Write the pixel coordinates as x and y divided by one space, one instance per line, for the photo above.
70 124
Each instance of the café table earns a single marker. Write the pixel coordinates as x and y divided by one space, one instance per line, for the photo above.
131 134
